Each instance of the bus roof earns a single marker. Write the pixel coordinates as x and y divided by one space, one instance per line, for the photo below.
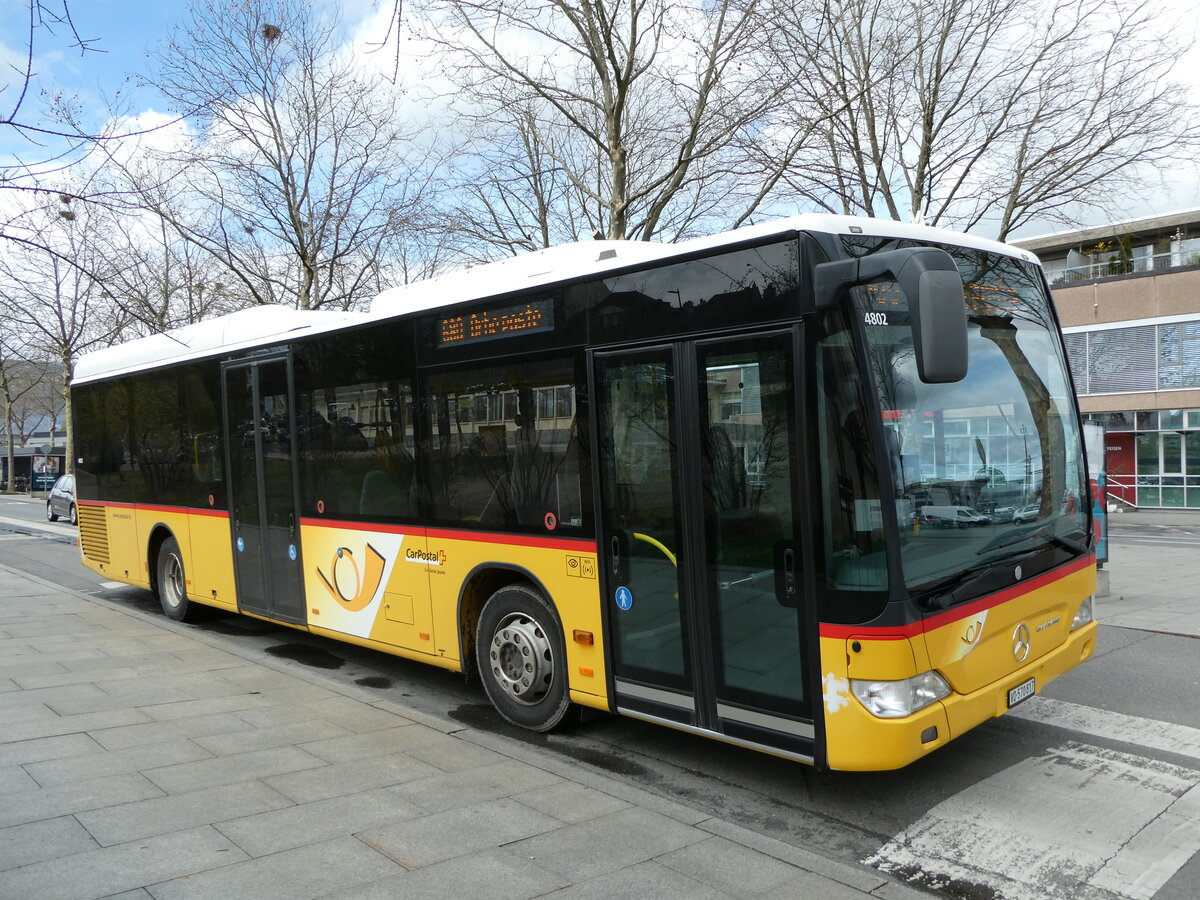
584 258
259 325
243 329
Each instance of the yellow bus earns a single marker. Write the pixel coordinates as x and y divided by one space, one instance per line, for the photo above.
687 483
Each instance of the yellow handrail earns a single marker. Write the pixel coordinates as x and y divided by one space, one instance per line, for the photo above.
655 542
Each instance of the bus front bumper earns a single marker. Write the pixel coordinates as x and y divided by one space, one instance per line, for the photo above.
858 741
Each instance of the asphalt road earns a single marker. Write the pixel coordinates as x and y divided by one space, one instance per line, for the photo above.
1090 792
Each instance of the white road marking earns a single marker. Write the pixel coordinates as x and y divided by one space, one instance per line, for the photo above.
1081 822
1150 733
1160 849
47 527
112 585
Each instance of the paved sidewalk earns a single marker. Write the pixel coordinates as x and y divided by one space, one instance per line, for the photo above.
1152 586
144 758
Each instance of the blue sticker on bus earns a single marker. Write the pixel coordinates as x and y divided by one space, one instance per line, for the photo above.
624 598
292 552
241 545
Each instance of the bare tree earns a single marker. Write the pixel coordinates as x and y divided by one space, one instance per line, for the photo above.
19 381
520 199
983 112
48 142
619 116
159 280
55 300
304 174
43 149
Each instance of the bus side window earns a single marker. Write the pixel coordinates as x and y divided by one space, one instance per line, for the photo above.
354 429
503 449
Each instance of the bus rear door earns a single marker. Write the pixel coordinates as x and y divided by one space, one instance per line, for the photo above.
260 434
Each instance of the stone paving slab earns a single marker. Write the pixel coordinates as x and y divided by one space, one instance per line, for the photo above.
435 838
75 797
233 769
157 732
364 745
338 779
308 871
175 812
731 868
15 778
645 879
33 842
18 753
307 823
83 722
585 850
99 873
491 874
86 766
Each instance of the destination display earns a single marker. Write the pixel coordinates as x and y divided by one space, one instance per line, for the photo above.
529 317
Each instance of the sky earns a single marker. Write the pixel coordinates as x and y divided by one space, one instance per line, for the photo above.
123 32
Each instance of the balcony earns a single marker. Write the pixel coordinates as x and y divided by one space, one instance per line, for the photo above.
1184 254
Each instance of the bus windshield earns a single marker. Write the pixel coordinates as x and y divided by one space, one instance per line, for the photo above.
986 469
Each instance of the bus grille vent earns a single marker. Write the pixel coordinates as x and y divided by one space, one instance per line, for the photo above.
93 533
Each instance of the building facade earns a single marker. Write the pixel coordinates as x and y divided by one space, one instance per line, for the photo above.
1128 298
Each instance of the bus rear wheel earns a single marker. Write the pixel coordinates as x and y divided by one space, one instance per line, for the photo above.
172 584
522 660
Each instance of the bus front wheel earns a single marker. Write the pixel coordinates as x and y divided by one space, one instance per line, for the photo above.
172 583
522 660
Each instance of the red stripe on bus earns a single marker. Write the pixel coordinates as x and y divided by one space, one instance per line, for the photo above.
441 534
514 540
949 616
182 510
349 525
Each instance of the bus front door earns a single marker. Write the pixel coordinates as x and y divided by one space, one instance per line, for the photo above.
698 458
262 487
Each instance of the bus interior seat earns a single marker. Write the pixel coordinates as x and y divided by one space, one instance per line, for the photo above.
381 496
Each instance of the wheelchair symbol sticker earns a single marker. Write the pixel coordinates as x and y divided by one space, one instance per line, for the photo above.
624 598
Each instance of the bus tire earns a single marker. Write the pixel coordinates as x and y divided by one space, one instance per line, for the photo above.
522 660
171 586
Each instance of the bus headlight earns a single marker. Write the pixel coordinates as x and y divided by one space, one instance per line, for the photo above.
1085 613
895 699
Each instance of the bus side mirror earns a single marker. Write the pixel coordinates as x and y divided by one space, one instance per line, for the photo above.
934 290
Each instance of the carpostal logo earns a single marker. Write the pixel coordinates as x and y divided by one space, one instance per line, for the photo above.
351 586
426 557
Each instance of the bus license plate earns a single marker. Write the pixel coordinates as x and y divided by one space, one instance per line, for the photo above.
1022 691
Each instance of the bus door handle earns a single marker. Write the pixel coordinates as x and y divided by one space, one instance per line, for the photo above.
618 548
787 578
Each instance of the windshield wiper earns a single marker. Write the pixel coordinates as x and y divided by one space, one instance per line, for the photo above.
1046 532
966 585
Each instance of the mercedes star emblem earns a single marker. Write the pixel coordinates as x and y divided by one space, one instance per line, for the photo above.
1021 642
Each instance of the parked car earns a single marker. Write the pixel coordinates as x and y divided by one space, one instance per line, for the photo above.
20 484
1002 513
61 500
1027 514
953 516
